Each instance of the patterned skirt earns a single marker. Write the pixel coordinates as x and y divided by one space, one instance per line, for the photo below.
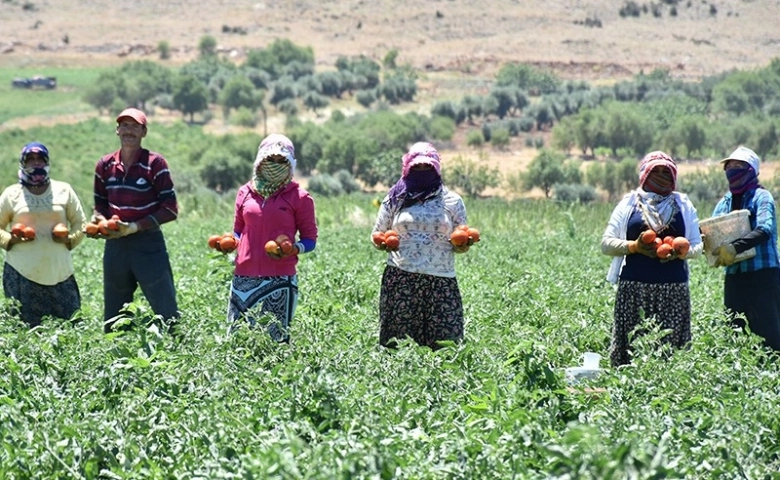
667 304
425 308
37 301
251 298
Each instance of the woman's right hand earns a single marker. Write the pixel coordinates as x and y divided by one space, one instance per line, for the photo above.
646 249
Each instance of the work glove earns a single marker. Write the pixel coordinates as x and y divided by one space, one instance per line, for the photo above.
125 229
279 256
463 248
727 255
646 249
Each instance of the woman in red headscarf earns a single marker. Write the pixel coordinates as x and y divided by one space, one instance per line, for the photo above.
651 286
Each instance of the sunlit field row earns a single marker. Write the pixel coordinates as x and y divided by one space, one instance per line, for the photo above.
75 403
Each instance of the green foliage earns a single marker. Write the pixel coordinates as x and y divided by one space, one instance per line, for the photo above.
389 61
365 97
189 95
314 101
475 138
79 404
442 128
240 92
325 185
500 138
164 49
544 171
471 177
574 193
703 187
613 177
143 80
365 69
280 56
244 117
384 169
528 78
448 109
205 69
207 46
398 87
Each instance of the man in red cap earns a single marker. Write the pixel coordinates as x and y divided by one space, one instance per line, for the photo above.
135 185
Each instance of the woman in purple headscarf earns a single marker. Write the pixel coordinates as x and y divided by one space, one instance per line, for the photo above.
419 296
38 271
651 287
752 286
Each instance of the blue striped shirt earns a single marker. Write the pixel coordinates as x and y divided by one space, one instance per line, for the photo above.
761 205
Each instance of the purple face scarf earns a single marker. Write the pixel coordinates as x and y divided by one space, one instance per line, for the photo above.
741 180
415 185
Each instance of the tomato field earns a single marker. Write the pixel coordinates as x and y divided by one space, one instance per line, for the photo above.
75 403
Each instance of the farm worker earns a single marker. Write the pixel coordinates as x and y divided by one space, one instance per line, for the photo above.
646 282
38 270
752 286
419 295
135 184
271 207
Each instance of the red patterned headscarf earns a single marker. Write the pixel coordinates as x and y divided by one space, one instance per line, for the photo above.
653 160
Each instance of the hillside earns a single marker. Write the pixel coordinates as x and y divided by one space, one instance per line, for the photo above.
457 44
704 38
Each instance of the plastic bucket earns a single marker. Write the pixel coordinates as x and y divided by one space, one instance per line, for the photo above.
723 229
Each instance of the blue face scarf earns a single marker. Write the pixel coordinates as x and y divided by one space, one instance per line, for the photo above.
741 180
33 176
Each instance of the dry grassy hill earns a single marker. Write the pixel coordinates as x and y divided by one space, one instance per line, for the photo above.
459 35
459 43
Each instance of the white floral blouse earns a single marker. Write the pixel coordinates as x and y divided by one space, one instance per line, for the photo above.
424 230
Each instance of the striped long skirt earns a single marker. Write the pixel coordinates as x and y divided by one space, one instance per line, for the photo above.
252 298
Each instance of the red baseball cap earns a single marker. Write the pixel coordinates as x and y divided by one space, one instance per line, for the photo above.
134 114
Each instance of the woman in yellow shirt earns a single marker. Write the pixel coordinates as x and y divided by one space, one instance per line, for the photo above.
38 272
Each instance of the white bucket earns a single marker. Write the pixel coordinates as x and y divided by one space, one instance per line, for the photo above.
723 229
591 360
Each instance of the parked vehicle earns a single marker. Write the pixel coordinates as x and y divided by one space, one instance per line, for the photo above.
49 83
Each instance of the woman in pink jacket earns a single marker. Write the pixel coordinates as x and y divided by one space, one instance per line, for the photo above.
267 207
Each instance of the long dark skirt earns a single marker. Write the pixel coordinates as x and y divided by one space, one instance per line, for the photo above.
423 307
253 297
37 301
669 304
756 295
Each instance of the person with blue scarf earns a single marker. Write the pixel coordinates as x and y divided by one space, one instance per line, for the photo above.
38 273
751 287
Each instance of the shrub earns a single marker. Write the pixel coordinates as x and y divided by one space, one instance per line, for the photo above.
325 185
244 117
442 128
471 177
347 181
500 138
475 138
288 107
365 97
164 49
574 193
